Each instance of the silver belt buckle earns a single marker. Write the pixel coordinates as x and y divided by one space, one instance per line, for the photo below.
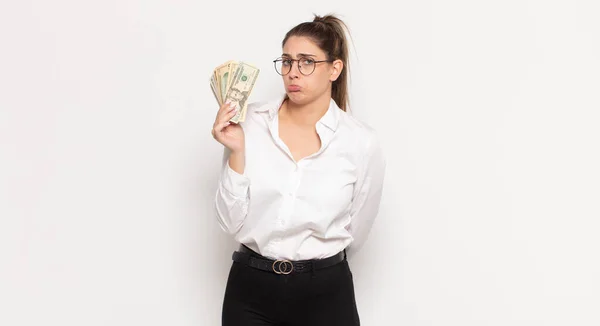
277 268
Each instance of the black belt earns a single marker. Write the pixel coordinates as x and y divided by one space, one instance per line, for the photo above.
283 266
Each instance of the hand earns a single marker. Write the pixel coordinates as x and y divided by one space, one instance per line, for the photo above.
231 135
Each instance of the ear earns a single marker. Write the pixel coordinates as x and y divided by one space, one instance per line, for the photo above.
338 66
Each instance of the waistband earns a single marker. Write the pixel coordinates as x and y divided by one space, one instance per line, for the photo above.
251 258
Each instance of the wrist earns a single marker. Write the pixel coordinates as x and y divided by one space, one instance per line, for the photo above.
237 161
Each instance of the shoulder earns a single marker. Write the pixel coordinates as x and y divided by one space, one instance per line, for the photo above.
254 110
256 106
367 145
261 106
361 132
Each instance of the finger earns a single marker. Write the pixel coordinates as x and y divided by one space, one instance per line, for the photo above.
227 116
225 107
226 110
216 130
221 126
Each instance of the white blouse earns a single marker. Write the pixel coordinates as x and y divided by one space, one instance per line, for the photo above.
313 208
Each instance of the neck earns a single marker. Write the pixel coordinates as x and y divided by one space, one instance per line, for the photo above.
306 114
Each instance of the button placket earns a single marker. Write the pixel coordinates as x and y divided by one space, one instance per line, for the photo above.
293 182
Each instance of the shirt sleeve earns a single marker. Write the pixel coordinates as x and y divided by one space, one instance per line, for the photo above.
367 196
232 197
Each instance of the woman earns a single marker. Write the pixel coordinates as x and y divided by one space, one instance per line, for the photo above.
300 188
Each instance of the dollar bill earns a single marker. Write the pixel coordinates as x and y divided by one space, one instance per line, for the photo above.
214 90
223 73
232 69
214 86
234 81
241 86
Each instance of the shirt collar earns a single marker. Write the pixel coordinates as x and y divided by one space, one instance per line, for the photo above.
330 119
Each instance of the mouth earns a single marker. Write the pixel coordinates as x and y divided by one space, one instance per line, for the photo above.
293 88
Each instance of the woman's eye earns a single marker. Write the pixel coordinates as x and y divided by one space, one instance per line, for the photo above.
286 62
308 61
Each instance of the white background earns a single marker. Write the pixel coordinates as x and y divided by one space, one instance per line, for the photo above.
488 113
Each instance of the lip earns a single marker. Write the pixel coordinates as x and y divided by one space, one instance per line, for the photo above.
293 88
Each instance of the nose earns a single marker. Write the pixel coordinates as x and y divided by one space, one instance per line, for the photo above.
294 70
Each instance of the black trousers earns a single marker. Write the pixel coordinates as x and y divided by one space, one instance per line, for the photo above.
255 297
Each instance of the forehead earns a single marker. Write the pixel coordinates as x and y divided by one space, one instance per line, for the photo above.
301 44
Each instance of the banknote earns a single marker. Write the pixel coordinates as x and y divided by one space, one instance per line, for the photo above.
234 66
234 81
215 87
223 73
214 90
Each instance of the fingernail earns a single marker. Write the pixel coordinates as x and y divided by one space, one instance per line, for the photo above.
231 104
228 101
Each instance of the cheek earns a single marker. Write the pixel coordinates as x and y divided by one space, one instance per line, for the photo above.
321 82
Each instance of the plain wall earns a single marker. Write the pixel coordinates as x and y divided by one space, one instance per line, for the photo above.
487 110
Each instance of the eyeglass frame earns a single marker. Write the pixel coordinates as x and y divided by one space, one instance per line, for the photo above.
299 69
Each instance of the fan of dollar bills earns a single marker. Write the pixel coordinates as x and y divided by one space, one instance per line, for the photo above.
234 81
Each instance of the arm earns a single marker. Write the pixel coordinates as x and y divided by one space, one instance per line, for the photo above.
233 193
367 196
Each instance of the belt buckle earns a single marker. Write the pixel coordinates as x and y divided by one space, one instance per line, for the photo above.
285 270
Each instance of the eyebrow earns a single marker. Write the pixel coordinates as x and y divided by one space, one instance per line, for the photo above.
299 54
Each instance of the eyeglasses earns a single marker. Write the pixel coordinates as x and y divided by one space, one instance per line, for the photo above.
306 66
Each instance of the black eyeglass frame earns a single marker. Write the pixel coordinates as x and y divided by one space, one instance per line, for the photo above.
299 66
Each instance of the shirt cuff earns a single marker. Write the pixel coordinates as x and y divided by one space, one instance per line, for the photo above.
237 184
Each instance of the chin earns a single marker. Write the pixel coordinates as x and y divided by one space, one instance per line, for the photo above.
298 97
